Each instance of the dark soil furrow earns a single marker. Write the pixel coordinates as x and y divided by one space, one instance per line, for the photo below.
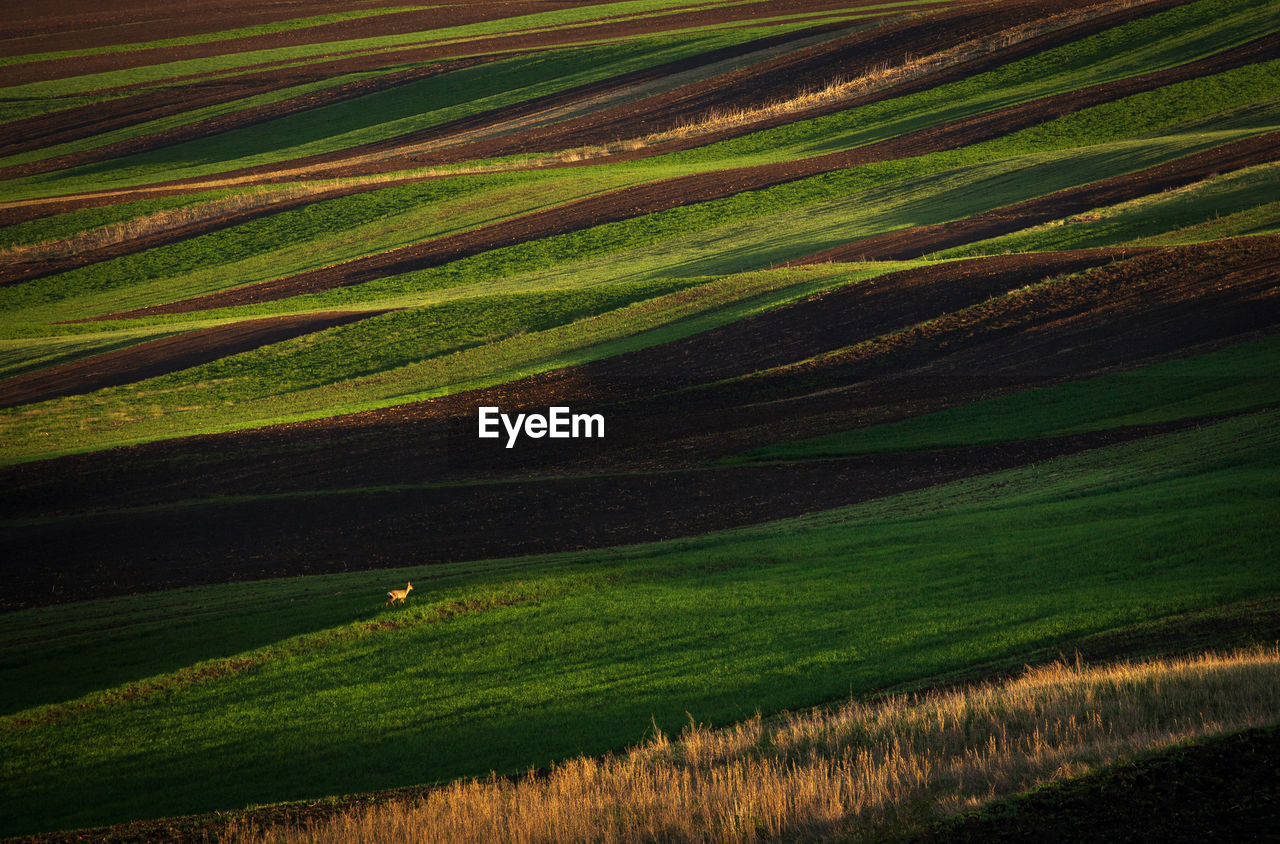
783 78
421 430
922 240
86 121
598 29
668 414
60 25
436 439
688 190
169 354
89 120
115 554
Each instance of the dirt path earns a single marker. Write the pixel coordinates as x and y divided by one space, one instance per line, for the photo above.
168 354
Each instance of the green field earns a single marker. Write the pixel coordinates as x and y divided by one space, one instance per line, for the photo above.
821 480
562 655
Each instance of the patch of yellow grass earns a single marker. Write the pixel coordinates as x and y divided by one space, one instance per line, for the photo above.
885 75
160 221
858 771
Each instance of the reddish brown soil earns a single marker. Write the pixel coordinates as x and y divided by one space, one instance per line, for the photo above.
86 121
36 267
783 78
89 120
922 240
49 207
778 78
649 198
81 24
406 22
668 414
808 65
169 354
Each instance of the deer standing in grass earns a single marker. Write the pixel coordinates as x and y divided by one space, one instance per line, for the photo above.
397 595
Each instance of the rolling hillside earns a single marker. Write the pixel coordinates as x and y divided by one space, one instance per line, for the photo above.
929 339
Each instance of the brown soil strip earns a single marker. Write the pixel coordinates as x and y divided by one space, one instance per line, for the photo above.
421 431
47 207
86 121
395 23
659 196
922 240
61 126
659 440
169 354
38 267
785 77
852 55
121 553
602 29
82 24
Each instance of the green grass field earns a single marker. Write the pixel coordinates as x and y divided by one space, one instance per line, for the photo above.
562 655
1113 480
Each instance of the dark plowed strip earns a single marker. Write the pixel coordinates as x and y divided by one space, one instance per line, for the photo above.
1152 304
830 321
125 553
388 24
850 56
169 354
58 25
87 121
659 196
1222 788
783 78
922 240
98 118
43 266
44 208
602 28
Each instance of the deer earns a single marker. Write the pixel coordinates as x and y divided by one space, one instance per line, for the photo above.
397 595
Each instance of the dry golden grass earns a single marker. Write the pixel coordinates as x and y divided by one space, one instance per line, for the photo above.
884 76
797 107
860 771
171 219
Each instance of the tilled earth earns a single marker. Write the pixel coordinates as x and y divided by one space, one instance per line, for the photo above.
413 484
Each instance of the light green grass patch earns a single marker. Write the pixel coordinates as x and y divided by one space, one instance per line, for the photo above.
316 235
